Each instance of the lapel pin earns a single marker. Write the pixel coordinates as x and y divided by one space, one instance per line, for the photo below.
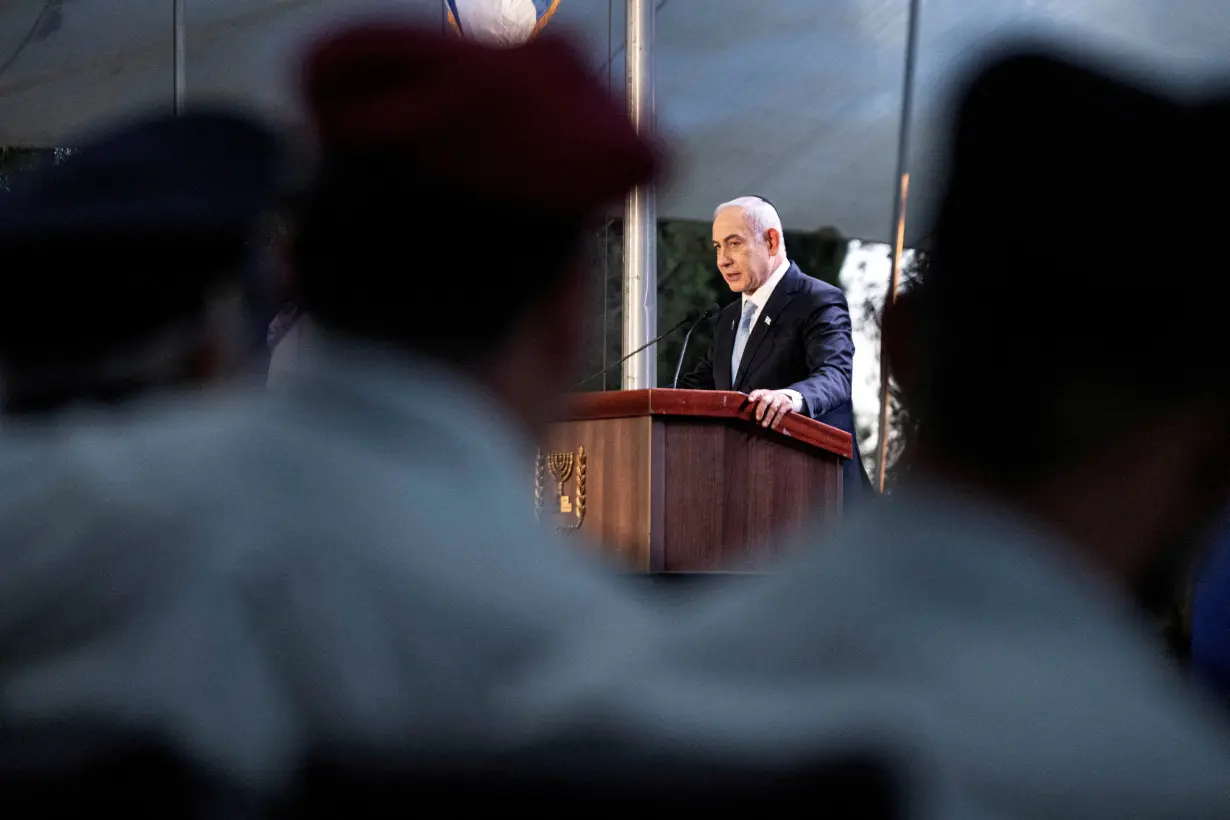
768 321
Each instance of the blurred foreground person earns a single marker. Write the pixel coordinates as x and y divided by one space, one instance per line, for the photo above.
1002 596
1209 647
355 560
1210 620
124 269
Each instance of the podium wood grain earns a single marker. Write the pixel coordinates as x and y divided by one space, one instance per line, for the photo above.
685 481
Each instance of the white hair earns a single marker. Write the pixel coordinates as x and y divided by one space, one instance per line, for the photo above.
759 215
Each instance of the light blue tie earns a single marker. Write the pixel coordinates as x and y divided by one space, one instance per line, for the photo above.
745 330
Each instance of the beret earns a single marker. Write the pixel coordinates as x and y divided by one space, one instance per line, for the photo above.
527 124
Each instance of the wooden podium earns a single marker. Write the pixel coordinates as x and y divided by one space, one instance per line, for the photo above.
685 480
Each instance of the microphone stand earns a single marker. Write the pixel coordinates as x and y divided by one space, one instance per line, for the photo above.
684 350
643 347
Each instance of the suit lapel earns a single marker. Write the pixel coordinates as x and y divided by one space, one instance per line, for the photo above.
724 335
782 295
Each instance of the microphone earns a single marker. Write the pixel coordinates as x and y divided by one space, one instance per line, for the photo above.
713 310
694 317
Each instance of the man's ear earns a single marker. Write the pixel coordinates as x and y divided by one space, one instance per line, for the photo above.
569 300
223 345
899 326
1208 424
773 239
555 327
206 361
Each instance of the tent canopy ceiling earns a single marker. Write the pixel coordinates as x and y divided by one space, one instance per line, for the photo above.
797 100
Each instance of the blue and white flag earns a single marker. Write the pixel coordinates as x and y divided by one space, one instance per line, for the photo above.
500 22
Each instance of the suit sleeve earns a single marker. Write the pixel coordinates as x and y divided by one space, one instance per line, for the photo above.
700 377
829 348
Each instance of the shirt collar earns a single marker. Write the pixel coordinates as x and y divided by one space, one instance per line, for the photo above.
761 297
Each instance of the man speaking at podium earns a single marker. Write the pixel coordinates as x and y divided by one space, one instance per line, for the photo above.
786 341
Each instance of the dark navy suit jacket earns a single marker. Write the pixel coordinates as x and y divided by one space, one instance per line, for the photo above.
801 342
1210 648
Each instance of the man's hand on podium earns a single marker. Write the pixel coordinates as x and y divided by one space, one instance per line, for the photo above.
773 405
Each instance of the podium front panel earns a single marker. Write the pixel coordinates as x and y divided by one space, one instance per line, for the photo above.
734 497
662 493
617 469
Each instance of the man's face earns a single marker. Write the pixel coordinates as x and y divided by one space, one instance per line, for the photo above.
745 260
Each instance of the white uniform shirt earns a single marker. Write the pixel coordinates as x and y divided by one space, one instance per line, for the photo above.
354 559
1021 677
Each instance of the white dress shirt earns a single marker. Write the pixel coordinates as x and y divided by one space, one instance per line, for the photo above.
761 298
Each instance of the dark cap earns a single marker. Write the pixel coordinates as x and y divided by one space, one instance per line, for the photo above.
131 230
1065 197
1050 308
1050 154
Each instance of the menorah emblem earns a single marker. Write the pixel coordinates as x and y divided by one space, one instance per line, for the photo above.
562 467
